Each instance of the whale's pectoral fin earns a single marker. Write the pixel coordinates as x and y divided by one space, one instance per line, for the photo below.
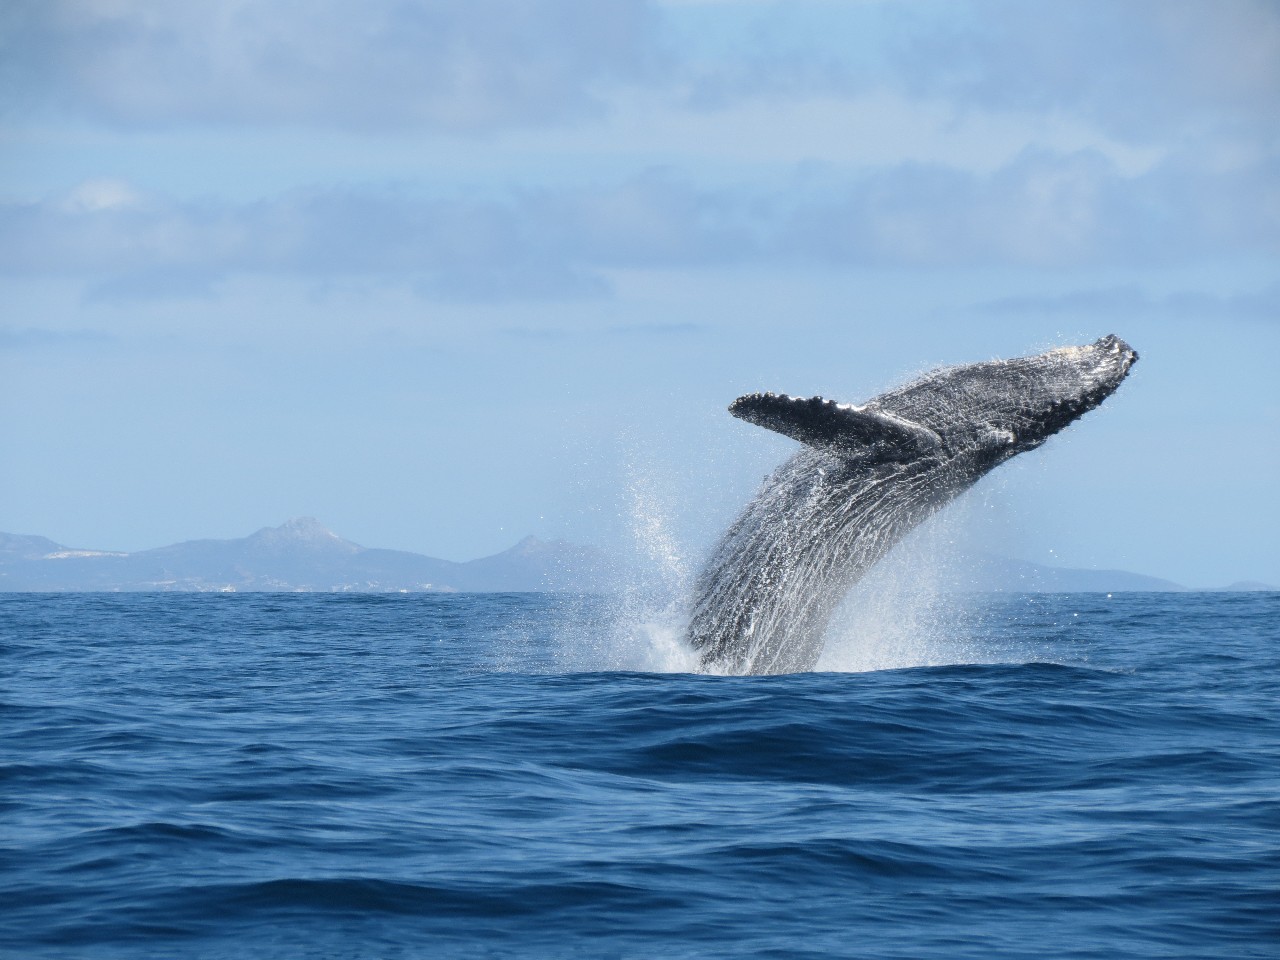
837 427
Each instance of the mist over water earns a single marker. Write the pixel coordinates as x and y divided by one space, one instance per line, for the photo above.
640 625
905 612
908 612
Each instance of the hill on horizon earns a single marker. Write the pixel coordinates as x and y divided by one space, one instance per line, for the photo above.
302 555
299 555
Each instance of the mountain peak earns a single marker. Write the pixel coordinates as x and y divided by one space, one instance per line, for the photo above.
306 527
302 531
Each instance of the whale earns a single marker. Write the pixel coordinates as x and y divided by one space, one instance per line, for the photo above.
864 476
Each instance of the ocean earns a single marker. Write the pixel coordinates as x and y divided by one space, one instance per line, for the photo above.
525 775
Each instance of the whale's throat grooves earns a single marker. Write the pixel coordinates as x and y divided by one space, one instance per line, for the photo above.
770 589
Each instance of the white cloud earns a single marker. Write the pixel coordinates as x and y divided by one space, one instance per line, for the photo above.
1131 301
873 128
1144 69
449 64
102 194
1041 209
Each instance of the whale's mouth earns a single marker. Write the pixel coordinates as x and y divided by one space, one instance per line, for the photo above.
1115 358
1111 344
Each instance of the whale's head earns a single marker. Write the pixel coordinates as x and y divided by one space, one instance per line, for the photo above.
986 413
969 418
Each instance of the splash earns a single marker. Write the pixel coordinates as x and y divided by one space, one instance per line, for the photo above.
905 613
640 626
651 623
910 609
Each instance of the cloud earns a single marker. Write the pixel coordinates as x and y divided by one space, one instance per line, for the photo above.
1144 68
173 282
655 329
1044 210
534 244
624 331
32 338
1131 300
445 64
1040 210
102 194
1141 70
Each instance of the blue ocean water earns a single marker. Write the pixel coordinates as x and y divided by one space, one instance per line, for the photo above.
467 776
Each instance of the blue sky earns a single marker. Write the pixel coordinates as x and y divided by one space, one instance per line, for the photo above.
443 274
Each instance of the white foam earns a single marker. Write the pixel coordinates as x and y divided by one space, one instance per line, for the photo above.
67 554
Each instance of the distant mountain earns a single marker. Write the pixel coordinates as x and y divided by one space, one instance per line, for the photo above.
990 574
300 555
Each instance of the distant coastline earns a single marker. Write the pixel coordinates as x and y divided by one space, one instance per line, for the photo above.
302 556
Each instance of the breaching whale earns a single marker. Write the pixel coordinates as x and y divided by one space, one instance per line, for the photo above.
865 477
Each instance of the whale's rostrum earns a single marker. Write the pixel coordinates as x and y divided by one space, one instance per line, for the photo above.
865 476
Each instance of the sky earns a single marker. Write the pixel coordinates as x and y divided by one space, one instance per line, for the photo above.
446 273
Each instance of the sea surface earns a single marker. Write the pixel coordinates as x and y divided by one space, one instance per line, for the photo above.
339 776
